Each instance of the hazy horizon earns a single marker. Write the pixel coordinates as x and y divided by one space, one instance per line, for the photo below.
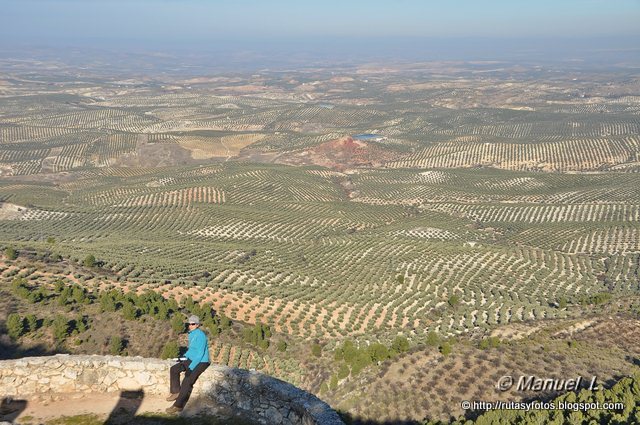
189 20
283 33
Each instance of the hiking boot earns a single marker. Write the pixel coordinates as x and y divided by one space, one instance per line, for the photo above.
173 410
172 397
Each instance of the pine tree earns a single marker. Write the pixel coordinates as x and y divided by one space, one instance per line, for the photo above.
80 324
225 322
32 322
170 350
60 328
116 345
63 298
177 322
36 296
15 326
129 311
107 303
78 294
360 361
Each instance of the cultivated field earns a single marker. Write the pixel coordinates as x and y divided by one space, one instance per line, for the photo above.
287 246
482 204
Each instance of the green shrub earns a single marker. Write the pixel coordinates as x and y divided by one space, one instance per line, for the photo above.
170 350
596 299
316 349
107 302
433 340
282 346
20 288
453 301
445 349
491 342
79 294
10 253
177 322
343 371
324 388
130 311
360 361
32 323
333 383
15 326
89 261
378 352
258 335
60 328
400 344
116 345
36 296
562 302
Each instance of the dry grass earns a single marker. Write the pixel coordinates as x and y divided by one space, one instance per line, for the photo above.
426 384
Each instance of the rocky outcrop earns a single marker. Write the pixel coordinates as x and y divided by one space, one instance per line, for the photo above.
248 394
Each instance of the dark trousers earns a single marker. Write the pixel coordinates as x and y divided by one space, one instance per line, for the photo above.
190 377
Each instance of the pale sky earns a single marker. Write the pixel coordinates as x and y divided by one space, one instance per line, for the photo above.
274 30
187 20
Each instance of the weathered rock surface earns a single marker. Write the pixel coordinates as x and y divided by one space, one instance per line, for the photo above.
249 394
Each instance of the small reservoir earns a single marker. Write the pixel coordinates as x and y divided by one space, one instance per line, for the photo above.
367 136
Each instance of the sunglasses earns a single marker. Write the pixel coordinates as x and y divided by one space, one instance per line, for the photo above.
192 324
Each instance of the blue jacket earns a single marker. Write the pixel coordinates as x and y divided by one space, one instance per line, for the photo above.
198 351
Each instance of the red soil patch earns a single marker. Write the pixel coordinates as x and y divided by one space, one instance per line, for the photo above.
341 154
344 147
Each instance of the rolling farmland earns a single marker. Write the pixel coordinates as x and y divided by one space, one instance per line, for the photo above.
313 262
489 203
478 204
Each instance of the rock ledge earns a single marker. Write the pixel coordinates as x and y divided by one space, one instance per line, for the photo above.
248 394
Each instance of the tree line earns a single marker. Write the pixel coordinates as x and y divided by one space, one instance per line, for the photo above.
132 306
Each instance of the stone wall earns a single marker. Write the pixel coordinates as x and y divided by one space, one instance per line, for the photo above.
249 394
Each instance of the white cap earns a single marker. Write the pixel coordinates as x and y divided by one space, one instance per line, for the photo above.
193 319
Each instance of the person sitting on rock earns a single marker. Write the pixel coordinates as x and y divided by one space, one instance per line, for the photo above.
194 362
